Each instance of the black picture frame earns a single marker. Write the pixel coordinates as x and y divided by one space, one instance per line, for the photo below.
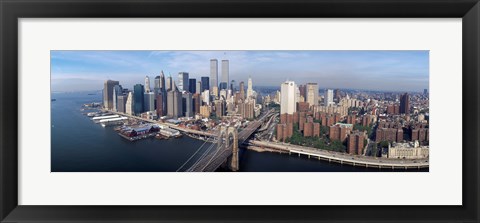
11 11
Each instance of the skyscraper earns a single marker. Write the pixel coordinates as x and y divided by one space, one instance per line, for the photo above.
147 84
187 104
425 91
169 83
156 85
328 98
129 105
213 73
405 104
196 103
192 85
249 87
303 90
225 75
219 108
312 94
242 90
138 92
174 108
162 82
198 87
149 102
205 84
287 104
121 100
108 94
232 85
159 102
183 81
117 91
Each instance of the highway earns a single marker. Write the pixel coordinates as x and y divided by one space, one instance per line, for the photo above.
344 158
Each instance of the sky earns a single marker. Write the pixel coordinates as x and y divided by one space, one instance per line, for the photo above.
367 70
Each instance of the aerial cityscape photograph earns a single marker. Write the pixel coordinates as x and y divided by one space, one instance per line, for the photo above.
239 111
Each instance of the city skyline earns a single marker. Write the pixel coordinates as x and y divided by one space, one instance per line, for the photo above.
368 70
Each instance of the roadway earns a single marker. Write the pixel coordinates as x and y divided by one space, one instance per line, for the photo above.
344 158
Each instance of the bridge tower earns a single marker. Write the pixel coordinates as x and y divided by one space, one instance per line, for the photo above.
230 135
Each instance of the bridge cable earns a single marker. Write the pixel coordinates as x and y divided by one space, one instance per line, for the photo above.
193 154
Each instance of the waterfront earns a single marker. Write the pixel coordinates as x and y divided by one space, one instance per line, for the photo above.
80 145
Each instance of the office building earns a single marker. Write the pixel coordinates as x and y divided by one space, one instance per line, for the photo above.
206 97
287 102
312 94
219 108
183 84
129 105
213 74
138 92
205 111
187 104
149 102
108 94
205 84
242 90
303 90
174 106
198 88
158 103
169 83
405 104
196 103
232 85
117 91
215 91
192 85
121 100
249 88
328 98
147 84
225 75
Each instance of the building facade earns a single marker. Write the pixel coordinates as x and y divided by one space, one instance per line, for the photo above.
213 73
108 93
183 81
138 92
312 94
287 102
328 97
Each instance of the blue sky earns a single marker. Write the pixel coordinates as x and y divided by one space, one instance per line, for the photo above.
373 70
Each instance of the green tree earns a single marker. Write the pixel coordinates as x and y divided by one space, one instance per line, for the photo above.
383 144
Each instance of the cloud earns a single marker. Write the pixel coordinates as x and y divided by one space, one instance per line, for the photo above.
381 70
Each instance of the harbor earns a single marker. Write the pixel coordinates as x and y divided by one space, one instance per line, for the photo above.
129 128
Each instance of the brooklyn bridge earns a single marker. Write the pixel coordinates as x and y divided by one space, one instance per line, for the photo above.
226 149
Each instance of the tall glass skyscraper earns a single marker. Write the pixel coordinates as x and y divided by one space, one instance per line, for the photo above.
183 81
205 84
192 85
138 92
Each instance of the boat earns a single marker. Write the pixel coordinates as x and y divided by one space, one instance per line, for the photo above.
91 114
53 99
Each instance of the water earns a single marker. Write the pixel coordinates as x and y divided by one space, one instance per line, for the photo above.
80 145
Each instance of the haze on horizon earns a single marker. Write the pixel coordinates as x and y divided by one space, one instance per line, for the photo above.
392 70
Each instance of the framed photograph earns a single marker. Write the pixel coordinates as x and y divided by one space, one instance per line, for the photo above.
161 111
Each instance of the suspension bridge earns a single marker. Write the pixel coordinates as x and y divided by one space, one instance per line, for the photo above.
209 157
